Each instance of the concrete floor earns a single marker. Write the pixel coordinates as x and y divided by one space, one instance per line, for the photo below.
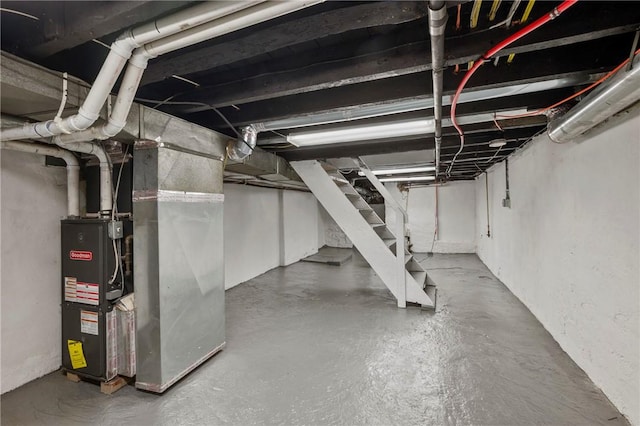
317 344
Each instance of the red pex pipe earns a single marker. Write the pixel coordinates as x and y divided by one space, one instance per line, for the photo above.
557 11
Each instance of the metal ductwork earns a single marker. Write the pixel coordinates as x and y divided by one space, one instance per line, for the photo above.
244 145
621 91
437 26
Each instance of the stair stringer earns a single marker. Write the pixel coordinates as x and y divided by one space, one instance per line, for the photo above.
361 234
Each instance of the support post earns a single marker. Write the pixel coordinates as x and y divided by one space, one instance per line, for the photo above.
400 269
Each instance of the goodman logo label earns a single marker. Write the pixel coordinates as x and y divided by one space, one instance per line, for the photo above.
81 255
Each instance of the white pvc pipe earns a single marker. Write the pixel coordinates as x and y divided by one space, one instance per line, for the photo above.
250 14
121 50
120 112
243 14
73 169
185 19
106 188
245 18
88 112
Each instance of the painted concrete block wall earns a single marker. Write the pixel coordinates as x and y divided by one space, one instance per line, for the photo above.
33 202
333 234
456 217
251 232
265 228
568 248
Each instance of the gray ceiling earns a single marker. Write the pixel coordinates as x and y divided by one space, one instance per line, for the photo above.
345 56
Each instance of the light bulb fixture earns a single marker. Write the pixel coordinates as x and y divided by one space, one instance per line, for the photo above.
361 133
397 171
497 143
408 179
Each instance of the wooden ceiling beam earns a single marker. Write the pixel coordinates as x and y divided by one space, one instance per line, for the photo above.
287 34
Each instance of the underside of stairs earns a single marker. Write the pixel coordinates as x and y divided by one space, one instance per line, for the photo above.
404 277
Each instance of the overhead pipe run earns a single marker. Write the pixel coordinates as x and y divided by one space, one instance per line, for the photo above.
149 41
437 26
120 52
106 188
621 91
352 113
73 169
229 20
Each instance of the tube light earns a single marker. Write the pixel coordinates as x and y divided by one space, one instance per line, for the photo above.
407 179
360 133
401 170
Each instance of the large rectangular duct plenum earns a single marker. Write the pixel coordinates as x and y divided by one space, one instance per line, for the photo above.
178 250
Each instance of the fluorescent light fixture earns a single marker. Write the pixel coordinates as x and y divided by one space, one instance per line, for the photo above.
402 170
407 179
423 126
363 133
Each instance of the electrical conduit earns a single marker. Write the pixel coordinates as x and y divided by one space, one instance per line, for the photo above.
491 52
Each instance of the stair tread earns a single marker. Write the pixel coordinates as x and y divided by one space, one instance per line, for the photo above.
340 181
328 167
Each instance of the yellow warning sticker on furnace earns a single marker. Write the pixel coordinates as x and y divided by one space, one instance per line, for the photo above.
76 354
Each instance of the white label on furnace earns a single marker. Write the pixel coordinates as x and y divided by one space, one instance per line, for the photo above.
89 322
70 284
87 293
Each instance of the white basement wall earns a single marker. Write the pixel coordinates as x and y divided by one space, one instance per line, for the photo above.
265 228
332 234
33 202
568 248
456 217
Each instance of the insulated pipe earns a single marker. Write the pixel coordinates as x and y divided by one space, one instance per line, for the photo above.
120 51
437 26
251 14
73 169
106 198
622 90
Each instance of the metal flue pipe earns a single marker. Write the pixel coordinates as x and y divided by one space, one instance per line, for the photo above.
621 91
73 169
244 145
120 51
437 26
